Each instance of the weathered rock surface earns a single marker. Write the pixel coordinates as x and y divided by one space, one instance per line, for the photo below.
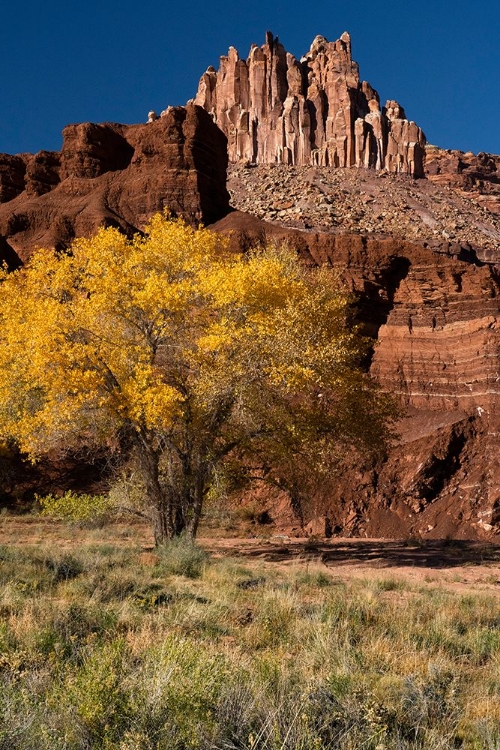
474 175
450 220
117 175
436 320
276 109
12 176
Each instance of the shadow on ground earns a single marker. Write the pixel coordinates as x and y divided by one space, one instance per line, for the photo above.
435 554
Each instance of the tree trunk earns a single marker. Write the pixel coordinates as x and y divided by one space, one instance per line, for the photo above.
163 529
161 524
196 505
178 517
176 509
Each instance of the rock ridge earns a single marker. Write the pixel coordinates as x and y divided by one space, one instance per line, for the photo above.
110 174
441 213
274 108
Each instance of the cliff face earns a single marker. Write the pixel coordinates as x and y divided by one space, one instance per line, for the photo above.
431 304
110 174
436 322
276 109
474 175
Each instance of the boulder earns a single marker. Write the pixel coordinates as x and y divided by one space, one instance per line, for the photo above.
320 526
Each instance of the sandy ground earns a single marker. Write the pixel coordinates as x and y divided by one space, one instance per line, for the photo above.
463 566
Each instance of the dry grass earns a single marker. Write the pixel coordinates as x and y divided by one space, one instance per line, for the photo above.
106 645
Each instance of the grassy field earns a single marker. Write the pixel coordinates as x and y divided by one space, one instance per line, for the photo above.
104 644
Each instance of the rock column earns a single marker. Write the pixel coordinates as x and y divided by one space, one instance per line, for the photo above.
275 109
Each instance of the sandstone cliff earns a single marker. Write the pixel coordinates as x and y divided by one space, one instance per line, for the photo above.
474 175
436 322
276 109
110 174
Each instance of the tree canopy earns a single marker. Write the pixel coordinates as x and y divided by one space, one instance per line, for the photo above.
194 357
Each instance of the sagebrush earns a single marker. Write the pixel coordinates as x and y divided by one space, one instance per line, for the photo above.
107 647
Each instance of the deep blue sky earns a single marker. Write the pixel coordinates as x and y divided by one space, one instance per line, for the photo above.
63 62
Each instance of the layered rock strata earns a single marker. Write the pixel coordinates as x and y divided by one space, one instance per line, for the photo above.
474 175
436 321
113 175
276 109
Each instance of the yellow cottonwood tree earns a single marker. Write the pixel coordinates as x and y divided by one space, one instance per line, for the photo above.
192 355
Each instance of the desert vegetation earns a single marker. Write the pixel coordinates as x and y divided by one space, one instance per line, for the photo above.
106 645
196 371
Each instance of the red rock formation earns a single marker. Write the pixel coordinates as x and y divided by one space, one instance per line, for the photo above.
12 176
436 320
431 305
117 175
90 150
477 175
275 109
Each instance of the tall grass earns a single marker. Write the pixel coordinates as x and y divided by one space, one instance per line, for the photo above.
106 648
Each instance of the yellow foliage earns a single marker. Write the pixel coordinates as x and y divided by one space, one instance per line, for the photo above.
82 333
76 508
174 339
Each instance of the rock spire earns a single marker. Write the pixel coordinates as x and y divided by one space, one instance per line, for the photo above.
276 109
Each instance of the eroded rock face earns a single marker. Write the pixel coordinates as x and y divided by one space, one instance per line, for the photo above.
113 175
90 150
42 172
276 109
477 175
436 322
12 176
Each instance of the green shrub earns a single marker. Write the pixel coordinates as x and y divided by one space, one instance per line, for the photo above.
181 556
97 694
64 568
84 510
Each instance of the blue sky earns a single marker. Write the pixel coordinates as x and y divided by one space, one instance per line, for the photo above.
63 62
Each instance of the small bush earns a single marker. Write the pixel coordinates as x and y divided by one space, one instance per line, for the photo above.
84 510
96 692
181 556
316 578
65 567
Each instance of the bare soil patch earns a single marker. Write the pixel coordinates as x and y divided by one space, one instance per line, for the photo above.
463 566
